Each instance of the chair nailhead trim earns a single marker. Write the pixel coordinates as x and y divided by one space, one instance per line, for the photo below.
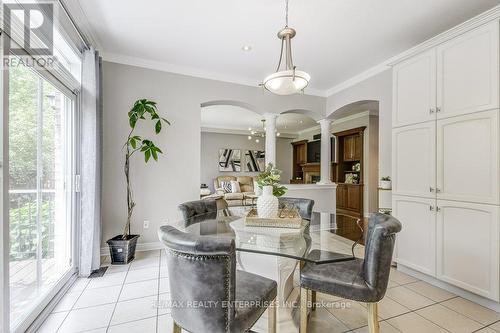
227 273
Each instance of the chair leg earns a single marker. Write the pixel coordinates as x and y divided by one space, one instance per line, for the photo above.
373 325
177 328
271 320
303 310
313 300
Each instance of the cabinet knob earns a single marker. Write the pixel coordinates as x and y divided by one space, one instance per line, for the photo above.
432 110
438 190
431 208
431 189
438 209
438 109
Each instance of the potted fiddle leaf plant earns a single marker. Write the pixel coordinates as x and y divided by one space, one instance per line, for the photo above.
122 247
269 181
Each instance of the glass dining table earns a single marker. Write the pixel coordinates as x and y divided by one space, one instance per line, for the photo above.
275 252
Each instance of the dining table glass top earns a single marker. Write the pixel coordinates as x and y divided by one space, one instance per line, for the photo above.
326 238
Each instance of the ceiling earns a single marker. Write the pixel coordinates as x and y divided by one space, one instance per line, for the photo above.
229 117
336 39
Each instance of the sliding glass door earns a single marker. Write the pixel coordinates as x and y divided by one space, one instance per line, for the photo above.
41 169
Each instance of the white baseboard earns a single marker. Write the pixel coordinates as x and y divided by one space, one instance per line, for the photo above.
139 247
490 304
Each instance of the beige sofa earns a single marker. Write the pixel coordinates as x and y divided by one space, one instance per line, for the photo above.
236 199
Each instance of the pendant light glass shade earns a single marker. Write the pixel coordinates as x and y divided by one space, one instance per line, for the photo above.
287 82
287 79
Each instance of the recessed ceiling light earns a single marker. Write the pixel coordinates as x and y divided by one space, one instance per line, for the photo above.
246 48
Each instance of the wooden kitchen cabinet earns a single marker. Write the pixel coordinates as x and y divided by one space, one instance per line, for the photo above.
353 147
350 199
299 158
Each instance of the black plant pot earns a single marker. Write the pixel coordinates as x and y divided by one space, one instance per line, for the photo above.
122 251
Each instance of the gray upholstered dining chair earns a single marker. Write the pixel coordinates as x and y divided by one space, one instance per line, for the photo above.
359 280
202 269
305 206
191 209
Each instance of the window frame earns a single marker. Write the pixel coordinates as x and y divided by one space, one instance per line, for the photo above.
49 300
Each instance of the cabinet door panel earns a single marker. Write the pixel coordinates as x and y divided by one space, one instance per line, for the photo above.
414 92
358 148
341 196
413 159
467 158
349 146
354 197
467 73
467 246
416 243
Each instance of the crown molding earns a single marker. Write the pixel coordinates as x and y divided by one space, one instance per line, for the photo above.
81 20
189 71
358 78
310 129
483 18
367 113
221 130
362 114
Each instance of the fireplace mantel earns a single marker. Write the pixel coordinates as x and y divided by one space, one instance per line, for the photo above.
312 170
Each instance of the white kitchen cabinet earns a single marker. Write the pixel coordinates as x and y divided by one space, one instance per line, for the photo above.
467 72
446 160
416 243
414 95
468 158
467 246
414 160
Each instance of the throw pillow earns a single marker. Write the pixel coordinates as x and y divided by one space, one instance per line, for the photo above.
226 186
235 186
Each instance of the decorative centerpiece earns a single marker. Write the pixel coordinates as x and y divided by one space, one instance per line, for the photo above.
269 182
287 218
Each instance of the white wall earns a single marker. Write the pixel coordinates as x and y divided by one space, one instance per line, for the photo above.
159 187
378 88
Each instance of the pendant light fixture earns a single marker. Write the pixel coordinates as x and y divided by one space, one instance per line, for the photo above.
287 79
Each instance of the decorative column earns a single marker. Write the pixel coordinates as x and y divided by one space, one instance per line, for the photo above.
270 138
326 152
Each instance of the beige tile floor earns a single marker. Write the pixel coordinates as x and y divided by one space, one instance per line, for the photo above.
126 299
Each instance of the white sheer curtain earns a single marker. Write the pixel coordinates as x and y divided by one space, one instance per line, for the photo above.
91 147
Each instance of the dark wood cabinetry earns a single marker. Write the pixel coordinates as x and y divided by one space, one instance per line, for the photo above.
350 199
299 158
352 147
350 195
